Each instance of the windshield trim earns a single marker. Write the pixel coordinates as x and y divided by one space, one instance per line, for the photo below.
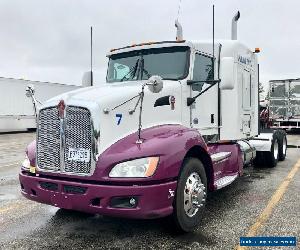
186 68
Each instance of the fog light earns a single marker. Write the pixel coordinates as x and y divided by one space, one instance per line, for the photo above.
132 201
124 202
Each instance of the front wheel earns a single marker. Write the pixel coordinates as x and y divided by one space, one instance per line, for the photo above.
190 195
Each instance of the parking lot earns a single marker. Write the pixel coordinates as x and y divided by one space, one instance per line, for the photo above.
256 204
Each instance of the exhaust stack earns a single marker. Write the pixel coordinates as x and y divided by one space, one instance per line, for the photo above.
179 35
234 26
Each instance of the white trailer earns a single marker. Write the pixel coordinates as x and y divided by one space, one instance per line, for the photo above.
16 110
284 103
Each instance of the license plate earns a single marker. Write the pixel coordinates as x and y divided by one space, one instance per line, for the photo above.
79 154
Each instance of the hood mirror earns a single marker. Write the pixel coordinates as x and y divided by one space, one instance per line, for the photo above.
30 90
155 84
30 93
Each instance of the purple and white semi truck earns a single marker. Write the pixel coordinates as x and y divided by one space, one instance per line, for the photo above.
174 121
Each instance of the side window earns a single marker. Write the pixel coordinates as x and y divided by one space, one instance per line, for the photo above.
203 70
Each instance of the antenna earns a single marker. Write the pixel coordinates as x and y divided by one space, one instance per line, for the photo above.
92 82
213 66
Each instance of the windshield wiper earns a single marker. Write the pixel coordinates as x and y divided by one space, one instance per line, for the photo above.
138 69
132 71
142 69
147 73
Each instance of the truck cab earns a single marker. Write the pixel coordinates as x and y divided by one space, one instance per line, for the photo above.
174 121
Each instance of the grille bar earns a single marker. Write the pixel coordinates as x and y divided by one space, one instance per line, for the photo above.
78 135
48 138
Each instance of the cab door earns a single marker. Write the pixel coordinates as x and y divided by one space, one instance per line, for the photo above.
204 111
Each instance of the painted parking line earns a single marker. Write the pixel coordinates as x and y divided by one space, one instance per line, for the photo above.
266 213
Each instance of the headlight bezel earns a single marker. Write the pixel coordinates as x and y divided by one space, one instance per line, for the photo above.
126 169
26 163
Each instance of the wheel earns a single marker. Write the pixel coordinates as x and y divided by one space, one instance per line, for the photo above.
190 196
282 146
272 157
268 158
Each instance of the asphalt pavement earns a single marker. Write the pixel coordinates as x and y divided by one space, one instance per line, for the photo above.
230 212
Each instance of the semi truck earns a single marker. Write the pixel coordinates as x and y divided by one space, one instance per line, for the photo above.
16 111
174 121
284 103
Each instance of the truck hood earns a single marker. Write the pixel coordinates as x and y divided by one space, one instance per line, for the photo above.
118 99
101 94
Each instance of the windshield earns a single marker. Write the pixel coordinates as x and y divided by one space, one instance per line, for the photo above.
170 63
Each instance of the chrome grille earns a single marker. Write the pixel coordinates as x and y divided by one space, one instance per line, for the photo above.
78 136
48 146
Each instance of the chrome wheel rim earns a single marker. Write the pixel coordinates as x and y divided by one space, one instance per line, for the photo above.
276 150
193 194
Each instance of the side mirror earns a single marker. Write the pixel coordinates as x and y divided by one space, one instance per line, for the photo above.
87 79
155 84
198 86
30 90
227 73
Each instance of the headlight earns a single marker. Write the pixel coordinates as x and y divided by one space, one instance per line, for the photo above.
26 163
143 167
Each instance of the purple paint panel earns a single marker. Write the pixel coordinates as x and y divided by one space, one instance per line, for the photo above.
153 201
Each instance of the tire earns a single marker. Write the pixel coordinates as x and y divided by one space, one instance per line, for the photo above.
282 146
269 158
192 179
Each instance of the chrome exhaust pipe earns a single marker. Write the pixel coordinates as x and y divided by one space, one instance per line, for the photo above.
234 26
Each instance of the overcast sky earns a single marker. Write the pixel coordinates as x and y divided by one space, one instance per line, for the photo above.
49 40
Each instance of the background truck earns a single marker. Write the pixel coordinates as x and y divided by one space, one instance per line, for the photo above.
16 111
174 121
284 103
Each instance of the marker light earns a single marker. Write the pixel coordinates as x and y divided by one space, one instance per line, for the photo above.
143 167
257 50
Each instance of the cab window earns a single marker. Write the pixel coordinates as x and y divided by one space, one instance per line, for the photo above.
203 68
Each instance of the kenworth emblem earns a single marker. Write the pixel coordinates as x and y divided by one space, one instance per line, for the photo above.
61 108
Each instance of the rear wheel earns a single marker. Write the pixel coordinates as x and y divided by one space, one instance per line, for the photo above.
269 158
282 146
190 196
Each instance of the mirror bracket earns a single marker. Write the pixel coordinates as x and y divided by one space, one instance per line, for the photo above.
191 100
191 82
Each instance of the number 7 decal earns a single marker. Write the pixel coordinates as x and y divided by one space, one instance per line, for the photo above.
119 117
